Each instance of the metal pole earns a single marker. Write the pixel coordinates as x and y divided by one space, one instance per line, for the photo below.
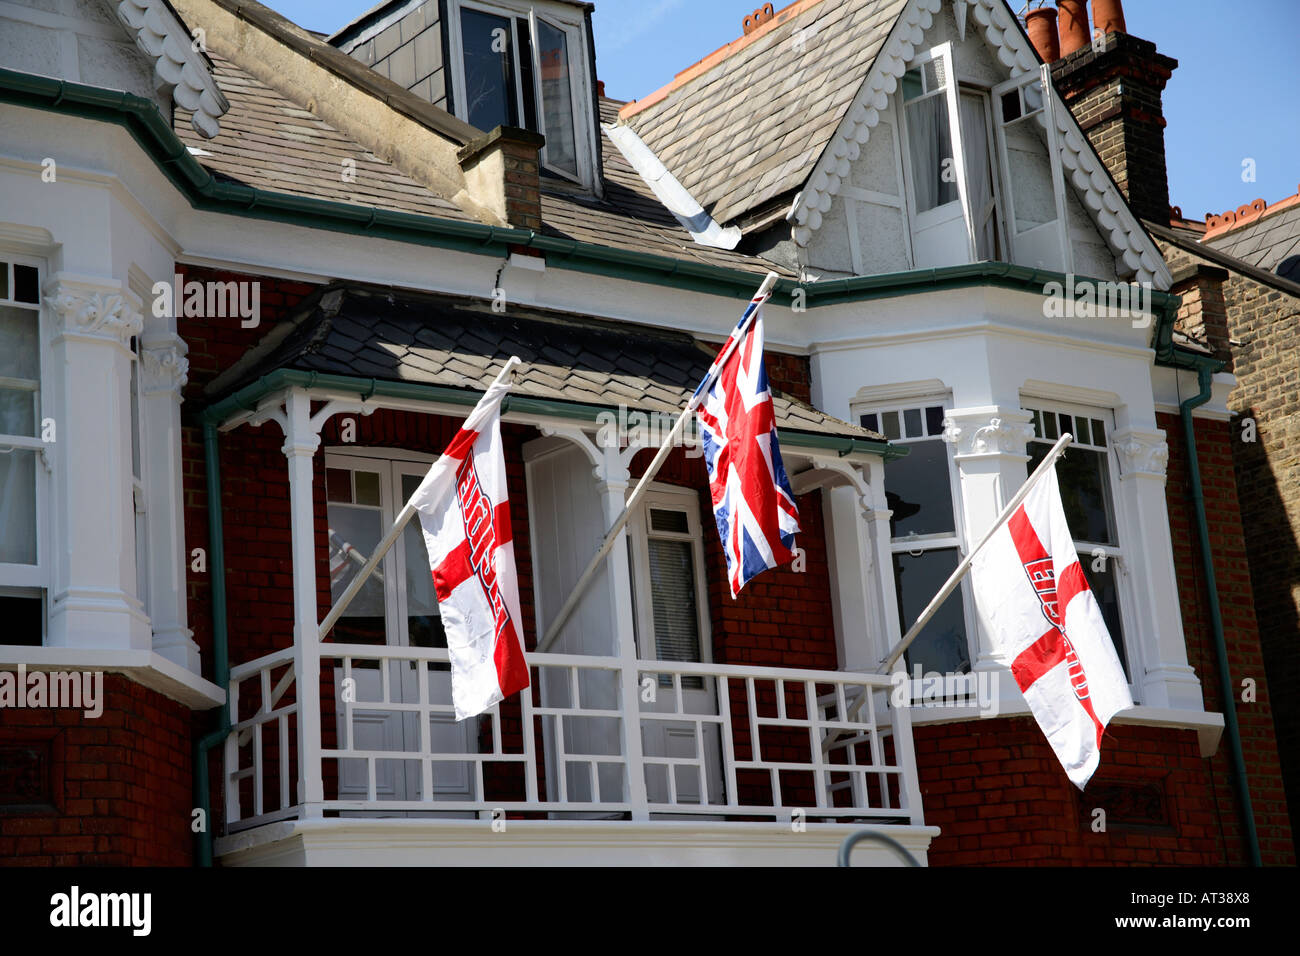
407 513
571 604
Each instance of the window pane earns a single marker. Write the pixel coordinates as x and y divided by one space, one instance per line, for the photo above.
527 81
1010 105
672 595
941 645
18 507
17 413
4 280
557 97
671 521
19 345
871 422
490 96
24 619
919 491
423 622
26 286
1085 491
1081 431
1105 590
930 143
891 425
338 485
367 484
912 423
934 420
354 533
912 84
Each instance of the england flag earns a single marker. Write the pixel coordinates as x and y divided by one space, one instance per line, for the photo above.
752 503
464 509
1039 613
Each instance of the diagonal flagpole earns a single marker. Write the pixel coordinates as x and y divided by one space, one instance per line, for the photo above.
406 514
571 604
954 579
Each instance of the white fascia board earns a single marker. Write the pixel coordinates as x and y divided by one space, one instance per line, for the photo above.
145 667
670 192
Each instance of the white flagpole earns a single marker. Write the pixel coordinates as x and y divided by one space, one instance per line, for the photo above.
406 514
955 578
566 611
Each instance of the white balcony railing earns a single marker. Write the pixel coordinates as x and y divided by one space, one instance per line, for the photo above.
593 737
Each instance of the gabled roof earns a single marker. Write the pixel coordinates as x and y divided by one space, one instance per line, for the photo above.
422 338
746 124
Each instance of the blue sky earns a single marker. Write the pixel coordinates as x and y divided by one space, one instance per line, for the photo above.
1232 98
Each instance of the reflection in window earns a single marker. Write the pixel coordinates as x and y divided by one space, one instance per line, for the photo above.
557 98
491 97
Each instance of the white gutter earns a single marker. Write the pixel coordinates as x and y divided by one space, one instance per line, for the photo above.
670 192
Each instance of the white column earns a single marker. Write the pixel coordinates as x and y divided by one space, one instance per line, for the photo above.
301 440
93 575
1159 659
163 373
990 450
612 483
862 632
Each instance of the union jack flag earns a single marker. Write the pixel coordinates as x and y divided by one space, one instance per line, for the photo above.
752 503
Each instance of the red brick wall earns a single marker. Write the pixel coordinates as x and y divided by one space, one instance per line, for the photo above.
119 785
1241 632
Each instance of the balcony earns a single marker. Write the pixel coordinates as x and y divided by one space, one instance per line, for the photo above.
602 760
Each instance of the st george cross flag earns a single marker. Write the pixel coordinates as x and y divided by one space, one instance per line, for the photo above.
752 503
464 509
1038 611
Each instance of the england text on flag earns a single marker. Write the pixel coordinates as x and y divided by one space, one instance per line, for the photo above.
1039 613
464 508
752 503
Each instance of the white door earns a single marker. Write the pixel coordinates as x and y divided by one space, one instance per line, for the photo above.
938 200
673 625
396 607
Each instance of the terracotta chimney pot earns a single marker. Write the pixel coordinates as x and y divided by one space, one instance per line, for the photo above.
1041 26
1108 16
1074 25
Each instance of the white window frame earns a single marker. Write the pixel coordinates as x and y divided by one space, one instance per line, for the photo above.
33 580
1116 553
938 541
139 482
391 464
668 498
573 26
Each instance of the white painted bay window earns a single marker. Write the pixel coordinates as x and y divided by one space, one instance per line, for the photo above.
23 466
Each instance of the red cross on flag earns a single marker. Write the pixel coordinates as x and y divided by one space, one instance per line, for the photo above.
1039 613
464 509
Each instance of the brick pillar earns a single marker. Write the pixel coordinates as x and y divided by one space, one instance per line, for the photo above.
1114 87
1203 315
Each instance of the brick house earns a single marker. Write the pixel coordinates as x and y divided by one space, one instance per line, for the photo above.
256 282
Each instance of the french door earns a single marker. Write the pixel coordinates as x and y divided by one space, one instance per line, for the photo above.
397 607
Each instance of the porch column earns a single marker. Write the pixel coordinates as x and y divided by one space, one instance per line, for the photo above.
301 440
1160 663
612 483
91 547
990 444
163 373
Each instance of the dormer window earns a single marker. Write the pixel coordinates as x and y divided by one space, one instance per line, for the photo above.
526 65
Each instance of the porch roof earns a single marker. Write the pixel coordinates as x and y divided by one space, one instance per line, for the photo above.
370 332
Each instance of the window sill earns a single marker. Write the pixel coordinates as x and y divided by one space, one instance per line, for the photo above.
144 667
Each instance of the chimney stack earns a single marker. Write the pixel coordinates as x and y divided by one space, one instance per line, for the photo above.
1040 24
1113 85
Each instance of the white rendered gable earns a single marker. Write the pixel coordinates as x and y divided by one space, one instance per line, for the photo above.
863 207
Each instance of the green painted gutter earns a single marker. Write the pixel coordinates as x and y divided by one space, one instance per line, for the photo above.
247 398
220 640
1205 366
